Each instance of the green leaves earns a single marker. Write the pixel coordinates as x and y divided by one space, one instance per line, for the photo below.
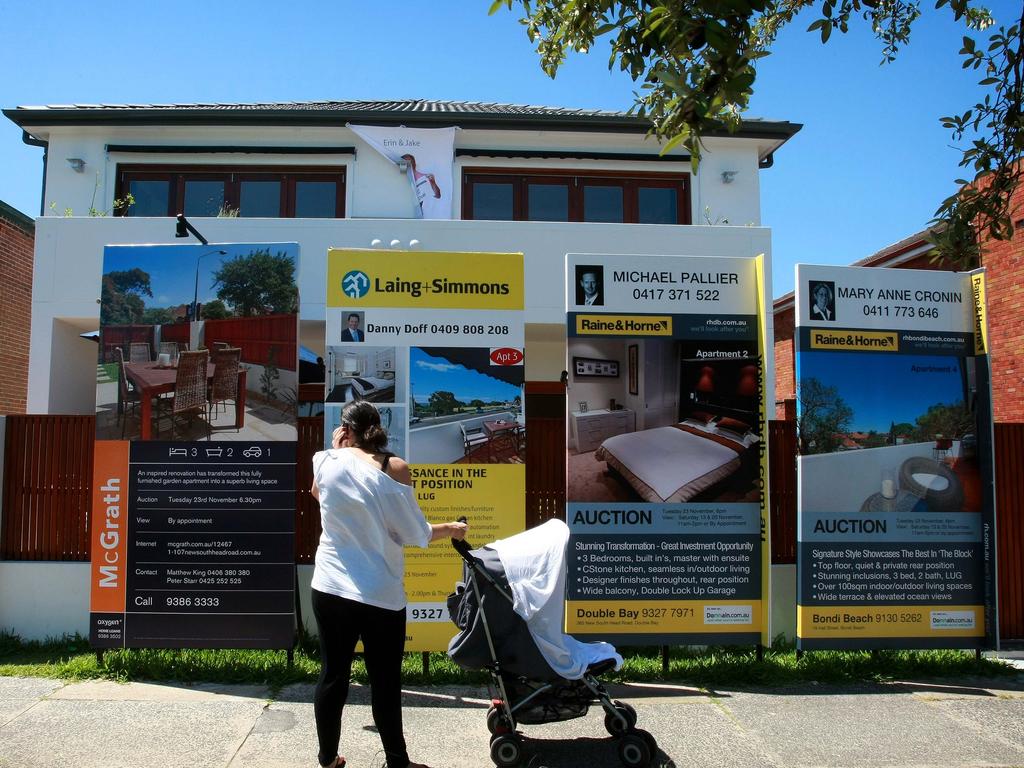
694 62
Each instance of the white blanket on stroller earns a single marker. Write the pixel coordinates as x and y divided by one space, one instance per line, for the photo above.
534 563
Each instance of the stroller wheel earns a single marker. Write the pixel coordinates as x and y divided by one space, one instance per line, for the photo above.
634 751
613 725
506 750
497 722
651 742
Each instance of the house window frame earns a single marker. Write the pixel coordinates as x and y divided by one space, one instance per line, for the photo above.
232 176
628 181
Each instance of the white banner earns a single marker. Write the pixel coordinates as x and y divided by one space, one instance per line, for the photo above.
428 155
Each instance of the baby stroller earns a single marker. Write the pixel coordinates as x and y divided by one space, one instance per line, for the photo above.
533 685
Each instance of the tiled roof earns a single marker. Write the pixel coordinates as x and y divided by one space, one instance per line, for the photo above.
402 106
409 112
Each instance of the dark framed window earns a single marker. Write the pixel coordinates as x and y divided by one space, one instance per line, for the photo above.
549 195
253 191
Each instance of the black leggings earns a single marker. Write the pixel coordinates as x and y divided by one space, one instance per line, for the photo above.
341 623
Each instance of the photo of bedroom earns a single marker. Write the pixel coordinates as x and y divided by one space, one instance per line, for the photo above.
894 432
662 421
364 373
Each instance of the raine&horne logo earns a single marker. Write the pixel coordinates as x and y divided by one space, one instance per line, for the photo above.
355 284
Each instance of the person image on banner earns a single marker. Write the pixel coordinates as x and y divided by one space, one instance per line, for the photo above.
368 513
352 331
425 187
588 285
425 155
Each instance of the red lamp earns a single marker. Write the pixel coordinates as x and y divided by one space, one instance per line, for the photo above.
748 381
706 383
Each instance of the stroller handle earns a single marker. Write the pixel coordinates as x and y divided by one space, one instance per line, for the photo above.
462 546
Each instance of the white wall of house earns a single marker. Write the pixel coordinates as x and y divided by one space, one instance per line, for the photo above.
69 259
375 188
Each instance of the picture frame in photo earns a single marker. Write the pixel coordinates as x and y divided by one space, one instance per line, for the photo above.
632 353
590 366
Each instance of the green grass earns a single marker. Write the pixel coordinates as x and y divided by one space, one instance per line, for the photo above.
106 372
72 659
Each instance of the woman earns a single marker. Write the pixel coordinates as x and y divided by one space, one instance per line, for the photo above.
368 513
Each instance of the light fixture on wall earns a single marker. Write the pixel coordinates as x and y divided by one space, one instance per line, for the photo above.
183 227
728 176
77 164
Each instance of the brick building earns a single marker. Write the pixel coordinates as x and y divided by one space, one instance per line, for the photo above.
1005 294
17 241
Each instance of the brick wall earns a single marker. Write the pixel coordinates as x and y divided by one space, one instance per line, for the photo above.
785 386
1004 264
17 238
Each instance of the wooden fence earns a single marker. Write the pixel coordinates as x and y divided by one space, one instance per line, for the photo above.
47 487
782 485
179 332
122 336
48 483
307 510
1009 458
262 339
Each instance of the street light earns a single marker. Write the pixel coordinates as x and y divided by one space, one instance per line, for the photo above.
195 296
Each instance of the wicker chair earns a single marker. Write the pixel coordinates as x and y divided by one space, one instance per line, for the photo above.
169 348
189 398
225 378
128 396
138 352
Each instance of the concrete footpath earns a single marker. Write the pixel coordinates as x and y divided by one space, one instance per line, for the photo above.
977 722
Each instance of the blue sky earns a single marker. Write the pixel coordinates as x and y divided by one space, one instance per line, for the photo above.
432 374
172 268
869 167
882 389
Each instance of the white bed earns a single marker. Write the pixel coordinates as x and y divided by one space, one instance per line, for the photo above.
674 463
380 388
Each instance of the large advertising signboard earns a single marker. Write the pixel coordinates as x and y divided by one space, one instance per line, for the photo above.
193 545
896 507
194 476
435 340
667 461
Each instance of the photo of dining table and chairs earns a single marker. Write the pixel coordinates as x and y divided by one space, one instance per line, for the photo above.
213 359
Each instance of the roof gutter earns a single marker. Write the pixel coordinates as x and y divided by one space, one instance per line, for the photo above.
32 141
291 117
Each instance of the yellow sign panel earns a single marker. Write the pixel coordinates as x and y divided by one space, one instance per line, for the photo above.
424 280
492 498
890 621
662 616
857 341
980 321
763 464
624 325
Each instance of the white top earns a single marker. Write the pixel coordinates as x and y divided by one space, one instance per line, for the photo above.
367 517
534 563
